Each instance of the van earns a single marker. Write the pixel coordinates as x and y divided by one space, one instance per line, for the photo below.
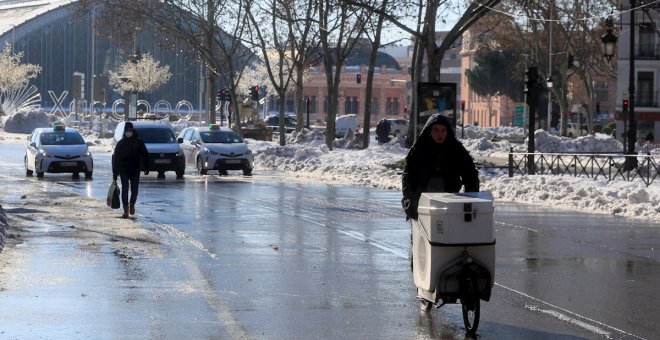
165 154
345 123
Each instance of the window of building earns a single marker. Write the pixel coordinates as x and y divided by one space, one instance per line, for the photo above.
313 105
645 94
646 41
600 91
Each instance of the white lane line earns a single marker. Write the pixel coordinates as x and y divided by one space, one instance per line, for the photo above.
348 232
595 326
575 318
222 310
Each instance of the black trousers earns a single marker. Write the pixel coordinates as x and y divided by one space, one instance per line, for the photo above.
129 179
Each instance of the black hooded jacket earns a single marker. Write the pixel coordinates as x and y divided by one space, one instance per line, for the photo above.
433 167
129 155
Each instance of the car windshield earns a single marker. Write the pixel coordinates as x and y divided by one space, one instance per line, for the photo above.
156 135
220 137
61 138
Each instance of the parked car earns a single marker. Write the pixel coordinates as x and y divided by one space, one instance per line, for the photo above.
57 149
216 148
345 123
165 154
398 126
273 122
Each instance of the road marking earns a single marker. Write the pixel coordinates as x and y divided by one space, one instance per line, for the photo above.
588 324
222 310
575 318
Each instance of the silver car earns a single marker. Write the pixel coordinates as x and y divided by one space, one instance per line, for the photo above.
398 126
57 149
216 148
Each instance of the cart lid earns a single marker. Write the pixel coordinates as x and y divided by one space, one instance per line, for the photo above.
455 203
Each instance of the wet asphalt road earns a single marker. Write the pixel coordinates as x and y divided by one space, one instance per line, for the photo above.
264 257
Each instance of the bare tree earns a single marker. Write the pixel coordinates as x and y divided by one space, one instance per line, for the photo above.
575 31
340 26
276 44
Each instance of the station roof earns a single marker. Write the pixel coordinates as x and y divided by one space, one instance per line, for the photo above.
16 13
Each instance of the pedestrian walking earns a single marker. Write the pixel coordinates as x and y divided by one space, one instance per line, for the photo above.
130 154
437 162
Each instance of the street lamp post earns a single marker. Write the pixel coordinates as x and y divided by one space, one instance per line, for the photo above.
549 84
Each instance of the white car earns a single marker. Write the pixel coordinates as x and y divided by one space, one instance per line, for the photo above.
216 148
57 149
165 153
398 126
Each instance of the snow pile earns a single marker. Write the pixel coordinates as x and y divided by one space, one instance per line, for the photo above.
380 166
26 122
598 143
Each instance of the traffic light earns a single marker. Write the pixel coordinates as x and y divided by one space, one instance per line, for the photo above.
405 108
531 85
625 105
359 78
462 105
570 61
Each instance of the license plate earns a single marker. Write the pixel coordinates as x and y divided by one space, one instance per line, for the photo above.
162 161
68 164
233 161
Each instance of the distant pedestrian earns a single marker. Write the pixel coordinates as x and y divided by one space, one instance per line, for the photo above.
650 138
383 131
130 154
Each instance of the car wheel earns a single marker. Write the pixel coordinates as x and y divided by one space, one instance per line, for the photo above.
223 173
40 175
200 166
88 174
28 172
161 174
179 173
75 175
247 171
570 134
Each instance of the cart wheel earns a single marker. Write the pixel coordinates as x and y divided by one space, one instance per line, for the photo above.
471 307
425 305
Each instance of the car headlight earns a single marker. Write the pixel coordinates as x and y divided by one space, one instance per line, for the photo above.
87 154
248 152
210 152
180 153
44 153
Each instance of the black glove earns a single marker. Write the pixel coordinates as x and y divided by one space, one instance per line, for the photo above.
146 172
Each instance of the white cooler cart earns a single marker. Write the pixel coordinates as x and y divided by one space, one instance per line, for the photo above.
453 252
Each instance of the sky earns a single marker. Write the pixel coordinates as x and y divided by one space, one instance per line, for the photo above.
307 158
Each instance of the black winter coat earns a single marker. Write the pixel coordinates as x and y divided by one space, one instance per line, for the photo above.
130 154
433 167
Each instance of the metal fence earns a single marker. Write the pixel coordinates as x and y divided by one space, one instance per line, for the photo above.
606 166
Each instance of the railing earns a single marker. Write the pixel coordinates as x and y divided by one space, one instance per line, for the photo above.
607 166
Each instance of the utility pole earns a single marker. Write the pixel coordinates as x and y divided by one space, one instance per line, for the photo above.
631 161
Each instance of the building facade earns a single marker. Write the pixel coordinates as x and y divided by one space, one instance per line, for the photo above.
646 71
